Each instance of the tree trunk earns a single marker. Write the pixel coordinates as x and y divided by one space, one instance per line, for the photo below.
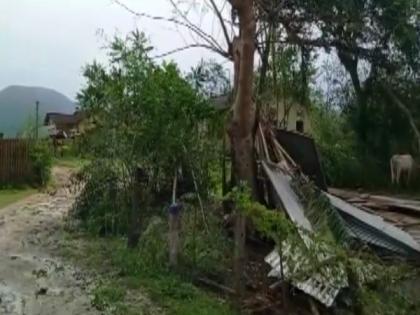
242 127
350 63
243 119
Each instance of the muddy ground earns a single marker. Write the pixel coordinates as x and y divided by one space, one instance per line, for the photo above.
32 279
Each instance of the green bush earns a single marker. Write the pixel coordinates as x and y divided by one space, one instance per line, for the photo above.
205 246
106 296
104 203
41 159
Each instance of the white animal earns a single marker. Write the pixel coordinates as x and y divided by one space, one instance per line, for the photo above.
401 164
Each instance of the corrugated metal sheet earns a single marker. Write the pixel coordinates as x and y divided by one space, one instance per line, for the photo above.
369 228
288 198
400 212
375 230
323 286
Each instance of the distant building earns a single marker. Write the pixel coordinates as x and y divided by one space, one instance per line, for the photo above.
64 125
287 115
291 116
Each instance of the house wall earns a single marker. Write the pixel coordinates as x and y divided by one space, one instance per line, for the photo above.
289 114
51 127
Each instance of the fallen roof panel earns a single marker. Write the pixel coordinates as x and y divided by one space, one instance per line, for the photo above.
376 222
289 199
323 286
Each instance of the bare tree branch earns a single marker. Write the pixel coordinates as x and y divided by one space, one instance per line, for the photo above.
180 49
196 29
222 23
211 42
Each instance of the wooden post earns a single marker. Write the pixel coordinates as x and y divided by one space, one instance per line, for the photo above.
174 227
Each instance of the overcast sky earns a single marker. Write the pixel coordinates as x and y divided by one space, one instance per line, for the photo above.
47 42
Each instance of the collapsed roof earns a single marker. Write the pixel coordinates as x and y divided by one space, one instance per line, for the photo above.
360 223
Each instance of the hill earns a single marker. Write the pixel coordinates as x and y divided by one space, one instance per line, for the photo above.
17 106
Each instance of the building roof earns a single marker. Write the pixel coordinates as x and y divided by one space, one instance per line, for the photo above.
64 119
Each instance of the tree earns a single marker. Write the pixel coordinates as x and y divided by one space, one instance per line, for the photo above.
380 34
210 79
240 49
149 123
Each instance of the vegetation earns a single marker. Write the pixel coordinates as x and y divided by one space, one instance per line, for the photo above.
173 293
128 100
9 196
73 162
150 120
125 271
41 159
324 252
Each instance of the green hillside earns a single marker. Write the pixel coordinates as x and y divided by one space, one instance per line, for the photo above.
17 106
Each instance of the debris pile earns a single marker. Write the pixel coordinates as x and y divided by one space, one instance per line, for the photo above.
386 234
398 212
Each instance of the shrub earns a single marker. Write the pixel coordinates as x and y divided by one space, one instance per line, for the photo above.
103 204
41 159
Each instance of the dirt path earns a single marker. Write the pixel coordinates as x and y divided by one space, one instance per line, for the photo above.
32 281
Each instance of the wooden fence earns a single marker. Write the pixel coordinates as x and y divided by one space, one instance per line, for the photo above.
15 163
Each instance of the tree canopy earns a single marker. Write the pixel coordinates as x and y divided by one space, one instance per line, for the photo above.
145 114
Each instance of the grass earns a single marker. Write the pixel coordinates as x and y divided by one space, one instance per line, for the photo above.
126 271
70 162
9 196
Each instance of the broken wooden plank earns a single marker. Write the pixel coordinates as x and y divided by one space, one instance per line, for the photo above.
405 225
396 200
378 202
343 193
408 206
